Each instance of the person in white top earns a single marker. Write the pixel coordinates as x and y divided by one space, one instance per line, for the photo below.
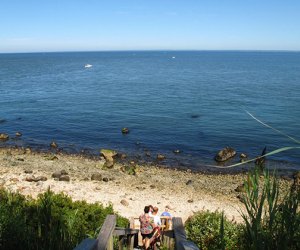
156 217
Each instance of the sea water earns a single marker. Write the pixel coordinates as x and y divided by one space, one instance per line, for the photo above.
193 101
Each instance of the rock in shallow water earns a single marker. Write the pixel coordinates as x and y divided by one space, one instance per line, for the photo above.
225 154
4 137
243 156
53 144
160 157
176 151
18 134
125 130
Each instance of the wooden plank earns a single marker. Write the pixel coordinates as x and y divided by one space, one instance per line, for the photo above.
187 245
179 232
86 244
132 223
168 233
181 243
104 240
131 234
110 243
125 231
121 242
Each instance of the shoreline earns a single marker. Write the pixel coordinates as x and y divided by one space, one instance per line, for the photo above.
186 192
147 158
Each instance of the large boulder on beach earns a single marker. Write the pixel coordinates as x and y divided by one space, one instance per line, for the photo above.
225 154
108 154
4 137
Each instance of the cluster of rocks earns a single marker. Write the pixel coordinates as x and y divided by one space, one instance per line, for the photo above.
58 175
98 177
228 153
5 137
61 175
225 154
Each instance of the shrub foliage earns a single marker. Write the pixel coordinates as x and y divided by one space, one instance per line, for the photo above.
211 230
269 222
53 221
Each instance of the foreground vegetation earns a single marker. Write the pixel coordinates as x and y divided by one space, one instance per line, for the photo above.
53 221
269 223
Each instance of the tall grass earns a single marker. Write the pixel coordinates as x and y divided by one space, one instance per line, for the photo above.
269 223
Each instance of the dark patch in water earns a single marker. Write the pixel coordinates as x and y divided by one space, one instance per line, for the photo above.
195 116
2 121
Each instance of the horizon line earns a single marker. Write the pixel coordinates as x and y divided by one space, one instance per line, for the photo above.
152 50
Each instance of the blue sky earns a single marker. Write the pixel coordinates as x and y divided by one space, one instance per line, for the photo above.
84 25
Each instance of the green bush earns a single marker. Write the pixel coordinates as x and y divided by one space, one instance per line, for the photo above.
53 221
211 230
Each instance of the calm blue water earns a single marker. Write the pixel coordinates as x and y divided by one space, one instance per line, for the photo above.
194 102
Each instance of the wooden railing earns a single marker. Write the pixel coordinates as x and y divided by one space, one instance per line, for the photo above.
181 243
129 236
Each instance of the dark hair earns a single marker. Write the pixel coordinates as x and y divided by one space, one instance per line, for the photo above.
146 209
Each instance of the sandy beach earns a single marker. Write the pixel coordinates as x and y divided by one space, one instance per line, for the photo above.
184 191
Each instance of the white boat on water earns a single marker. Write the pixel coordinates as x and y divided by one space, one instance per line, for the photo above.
88 65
